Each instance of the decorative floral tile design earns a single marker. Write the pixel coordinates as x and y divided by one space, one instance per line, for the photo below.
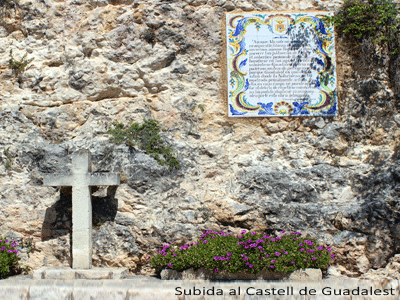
280 64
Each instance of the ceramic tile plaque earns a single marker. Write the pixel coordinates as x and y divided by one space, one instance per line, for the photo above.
280 64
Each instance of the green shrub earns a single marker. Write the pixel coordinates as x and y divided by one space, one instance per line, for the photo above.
18 66
147 137
250 252
8 258
369 19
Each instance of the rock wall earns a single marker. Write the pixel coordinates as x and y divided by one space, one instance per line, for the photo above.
99 62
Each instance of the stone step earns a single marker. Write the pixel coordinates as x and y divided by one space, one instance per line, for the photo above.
149 288
69 273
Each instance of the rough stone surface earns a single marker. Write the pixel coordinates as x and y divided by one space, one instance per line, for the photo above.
306 275
101 62
390 271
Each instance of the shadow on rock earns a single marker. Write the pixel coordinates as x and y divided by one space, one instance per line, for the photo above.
58 217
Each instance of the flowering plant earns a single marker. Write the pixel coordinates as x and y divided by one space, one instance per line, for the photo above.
250 252
8 258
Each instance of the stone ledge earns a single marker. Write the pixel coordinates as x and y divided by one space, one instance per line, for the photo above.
139 288
204 274
69 273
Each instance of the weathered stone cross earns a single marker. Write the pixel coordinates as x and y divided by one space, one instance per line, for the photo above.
81 180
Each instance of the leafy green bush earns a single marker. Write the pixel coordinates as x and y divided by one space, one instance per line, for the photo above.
369 19
147 137
250 252
8 258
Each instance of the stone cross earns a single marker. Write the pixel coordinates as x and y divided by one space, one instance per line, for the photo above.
81 180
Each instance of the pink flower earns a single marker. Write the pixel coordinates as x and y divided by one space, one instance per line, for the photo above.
205 241
272 261
243 231
302 249
169 266
272 266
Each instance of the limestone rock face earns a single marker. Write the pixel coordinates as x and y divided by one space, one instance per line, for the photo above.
100 62
390 271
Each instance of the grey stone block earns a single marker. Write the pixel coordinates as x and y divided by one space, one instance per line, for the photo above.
168 274
306 275
40 292
66 273
83 293
14 292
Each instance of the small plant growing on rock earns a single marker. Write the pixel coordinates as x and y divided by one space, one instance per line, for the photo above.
9 264
8 158
147 137
19 66
9 4
250 252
